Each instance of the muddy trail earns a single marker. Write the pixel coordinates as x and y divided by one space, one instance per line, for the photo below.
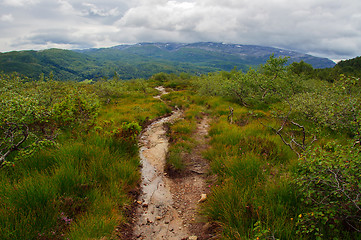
168 205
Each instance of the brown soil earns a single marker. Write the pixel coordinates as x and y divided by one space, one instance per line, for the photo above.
188 186
168 204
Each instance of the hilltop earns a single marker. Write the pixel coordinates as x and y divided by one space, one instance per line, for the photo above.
142 60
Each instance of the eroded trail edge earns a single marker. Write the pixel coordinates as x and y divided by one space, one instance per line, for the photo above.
190 188
167 207
156 218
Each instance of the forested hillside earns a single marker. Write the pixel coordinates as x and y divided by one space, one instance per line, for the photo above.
351 67
283 149
145 59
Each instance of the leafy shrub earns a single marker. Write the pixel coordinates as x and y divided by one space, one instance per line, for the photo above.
336 107
161 77
32 113
329 181
128 132
257 88
76 108
109 89
328 110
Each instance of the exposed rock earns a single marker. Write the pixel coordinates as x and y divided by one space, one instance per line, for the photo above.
172 199
203 198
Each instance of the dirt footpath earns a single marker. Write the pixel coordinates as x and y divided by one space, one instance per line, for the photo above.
188 187
168 205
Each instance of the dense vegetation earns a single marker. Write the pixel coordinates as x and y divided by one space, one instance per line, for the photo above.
286 163
292 165
351 67
69 155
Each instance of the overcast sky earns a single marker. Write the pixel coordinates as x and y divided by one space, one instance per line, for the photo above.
327 28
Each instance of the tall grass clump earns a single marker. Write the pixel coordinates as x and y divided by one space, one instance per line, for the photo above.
100 220
181 133
175 158
180 99
252 197
84 177
136 107
27 207
47 194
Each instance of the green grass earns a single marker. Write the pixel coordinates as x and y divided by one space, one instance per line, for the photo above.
182 132
82 177
77 188
181 99
252 196
27 207
100 220
174 158
181 137
137 107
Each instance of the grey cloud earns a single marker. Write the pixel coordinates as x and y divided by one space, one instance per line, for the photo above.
53 38
20 3
56 36
328 28
70 38
302 25
7 18
92 9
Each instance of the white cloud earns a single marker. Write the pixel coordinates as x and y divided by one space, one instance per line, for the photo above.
66 8
7 18
92 9
20 3
169 16
301 25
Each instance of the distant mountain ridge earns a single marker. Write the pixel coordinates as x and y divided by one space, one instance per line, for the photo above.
142 60
251 55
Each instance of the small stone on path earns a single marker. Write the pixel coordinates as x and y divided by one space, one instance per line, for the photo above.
203 198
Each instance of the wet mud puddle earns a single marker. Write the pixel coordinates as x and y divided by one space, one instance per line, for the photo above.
156 216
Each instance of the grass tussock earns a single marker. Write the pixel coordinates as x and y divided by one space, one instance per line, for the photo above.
252 197
181 133
132 108
82 189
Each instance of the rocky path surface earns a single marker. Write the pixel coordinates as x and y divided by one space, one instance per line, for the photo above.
189 189
156 217
168 206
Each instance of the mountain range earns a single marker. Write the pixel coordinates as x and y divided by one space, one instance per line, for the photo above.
142 60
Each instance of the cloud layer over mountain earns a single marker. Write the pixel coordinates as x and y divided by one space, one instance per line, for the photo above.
327 28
